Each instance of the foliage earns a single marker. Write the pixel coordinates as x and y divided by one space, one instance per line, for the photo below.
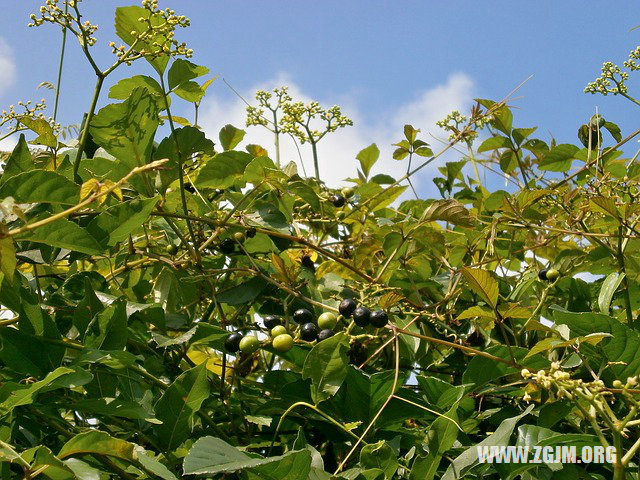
127 258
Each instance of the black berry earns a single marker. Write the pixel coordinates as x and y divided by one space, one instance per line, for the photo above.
271 321
309 332
346 307
326 333
337 200
251 232
302 315
227 246
361 316
542 274
232 343
379 318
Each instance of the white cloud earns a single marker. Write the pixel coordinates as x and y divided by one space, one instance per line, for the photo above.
8 144
7 67
337 151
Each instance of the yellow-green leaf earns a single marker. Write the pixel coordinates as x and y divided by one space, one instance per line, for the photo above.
482 283
8 260
450 211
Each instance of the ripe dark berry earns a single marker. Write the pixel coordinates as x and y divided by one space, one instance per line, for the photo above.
232 343
302 315
346 307
379 318
361 316
337 200
542 274
172 249
251 232
326 333
309 332
307 262
227 246
271 321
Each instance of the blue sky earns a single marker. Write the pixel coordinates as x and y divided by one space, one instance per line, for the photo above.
385 62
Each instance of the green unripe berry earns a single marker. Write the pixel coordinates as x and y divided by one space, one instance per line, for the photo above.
172 249
552 274
249 344
327 320
239 237
278 330
348 192
283 343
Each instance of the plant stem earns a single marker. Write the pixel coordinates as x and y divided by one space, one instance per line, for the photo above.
625 281
315 159
85 129
276 133
62 50
183 196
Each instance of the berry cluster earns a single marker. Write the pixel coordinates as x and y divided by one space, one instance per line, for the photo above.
310 329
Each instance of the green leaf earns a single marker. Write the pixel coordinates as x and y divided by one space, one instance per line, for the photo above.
8 261
124 87
96 442
115 224
243 293
450 211
361 395
108 329
502 119
305 192
379 455
614 130
40 186
182 71
222 170
262 169
482 283
14 395
190 140
126 129
64 233
410 133
230 136
440 438
19 161
482 370
291 466
622 346
609 287
368 157
152 465
469 458
400 153
179 404
521 134
383 179
127 23
493 143
559 158
44 130
326 366
210 455
190 91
